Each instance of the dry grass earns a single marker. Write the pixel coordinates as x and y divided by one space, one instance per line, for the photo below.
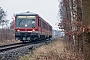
9 42
56 50
7 36
51 51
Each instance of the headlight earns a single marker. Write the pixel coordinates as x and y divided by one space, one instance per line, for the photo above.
33 30
18 30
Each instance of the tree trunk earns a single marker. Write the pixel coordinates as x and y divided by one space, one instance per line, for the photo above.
86 21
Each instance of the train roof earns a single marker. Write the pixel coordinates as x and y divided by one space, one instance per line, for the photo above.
27 13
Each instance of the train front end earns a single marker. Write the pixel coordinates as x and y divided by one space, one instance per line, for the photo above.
25 26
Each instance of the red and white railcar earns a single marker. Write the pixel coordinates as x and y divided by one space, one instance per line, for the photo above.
30 26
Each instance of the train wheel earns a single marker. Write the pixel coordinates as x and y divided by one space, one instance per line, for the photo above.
29 40
23 41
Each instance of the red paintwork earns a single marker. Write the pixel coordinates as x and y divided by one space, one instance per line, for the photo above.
15 23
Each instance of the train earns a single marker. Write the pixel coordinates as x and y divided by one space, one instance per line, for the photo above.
30 26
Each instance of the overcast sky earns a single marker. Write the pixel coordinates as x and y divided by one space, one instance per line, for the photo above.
47 9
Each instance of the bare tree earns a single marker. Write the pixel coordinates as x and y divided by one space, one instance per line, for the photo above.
3 23
2 16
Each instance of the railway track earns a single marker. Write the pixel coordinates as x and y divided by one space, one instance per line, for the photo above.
13 51
12 46
17 45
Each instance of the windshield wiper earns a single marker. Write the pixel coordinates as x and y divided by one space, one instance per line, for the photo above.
19 22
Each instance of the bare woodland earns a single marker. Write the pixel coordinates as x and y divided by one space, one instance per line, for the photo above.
76 25
6 34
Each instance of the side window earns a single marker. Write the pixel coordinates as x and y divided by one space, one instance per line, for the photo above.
38 22
50 28
43 24
46 26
